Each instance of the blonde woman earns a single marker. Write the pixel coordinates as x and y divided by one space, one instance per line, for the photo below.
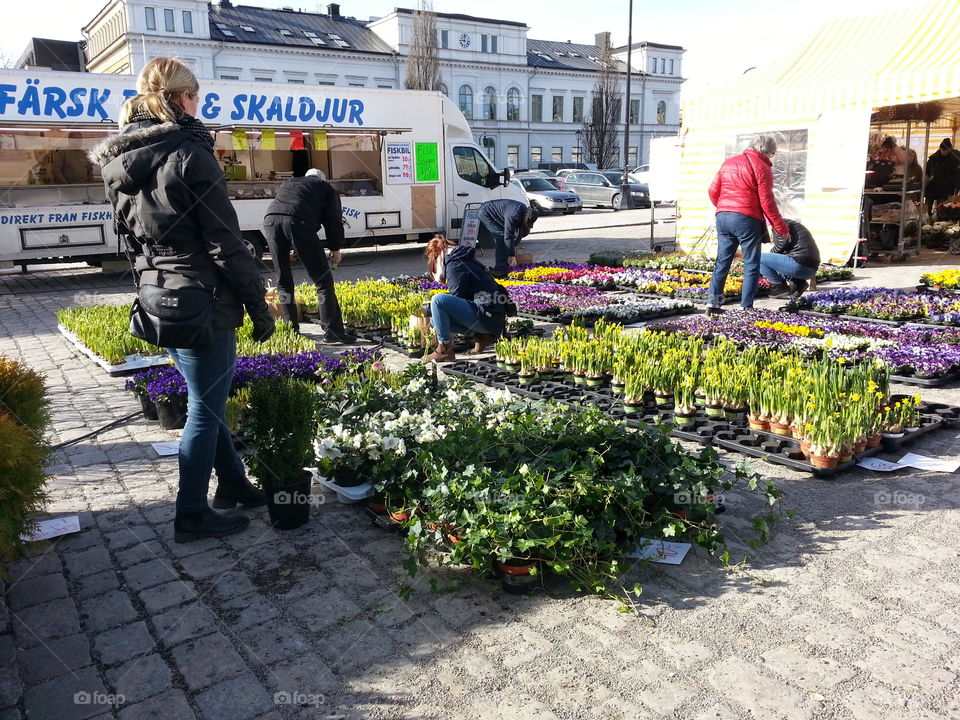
170 200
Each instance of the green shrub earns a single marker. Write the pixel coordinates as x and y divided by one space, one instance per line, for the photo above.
281 423
23 395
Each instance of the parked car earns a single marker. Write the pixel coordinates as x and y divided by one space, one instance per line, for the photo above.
547 175
546 198
640 174
602 188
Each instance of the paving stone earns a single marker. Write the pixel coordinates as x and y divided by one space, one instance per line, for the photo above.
10 685
878 702
129 536
667 697
140 678
161 514
171 705
40 623
89 561
86 538
901 669
232 584
54 658
503 706
139 577
122 643
273 641
36 590
184 623
161 597
245 611
239 699
107 611
97 584
73 696
207 660
326 609
139 553
820 674
741 683
305 674
515 644
718 712
208 564
355 644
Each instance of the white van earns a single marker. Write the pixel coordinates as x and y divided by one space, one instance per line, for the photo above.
404 161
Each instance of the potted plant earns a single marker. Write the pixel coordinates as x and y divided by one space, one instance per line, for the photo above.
168 391
137 384
281 426
684 408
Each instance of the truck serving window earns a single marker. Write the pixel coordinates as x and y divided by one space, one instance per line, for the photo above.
350 161
472 166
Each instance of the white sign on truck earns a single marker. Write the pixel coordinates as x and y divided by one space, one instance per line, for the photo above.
404 162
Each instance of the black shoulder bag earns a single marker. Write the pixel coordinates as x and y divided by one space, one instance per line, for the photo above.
179 318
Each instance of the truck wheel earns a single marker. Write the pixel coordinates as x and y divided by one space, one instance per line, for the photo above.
255 243
616 201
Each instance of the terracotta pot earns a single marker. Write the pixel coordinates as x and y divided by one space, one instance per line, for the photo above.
845 457
377 505
859 446
874 441
781 429
516 569
822 462
805 448
400 517
758 424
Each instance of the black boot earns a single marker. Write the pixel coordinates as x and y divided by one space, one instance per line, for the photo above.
245 494
206 524
780 290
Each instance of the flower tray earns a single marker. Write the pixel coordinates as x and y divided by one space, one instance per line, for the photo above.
948 414
540 318
347 495
937 291
131 364
928 423
777 449
926 382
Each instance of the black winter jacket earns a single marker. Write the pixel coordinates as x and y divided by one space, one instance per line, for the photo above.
168 190
799 245
470 280
314 201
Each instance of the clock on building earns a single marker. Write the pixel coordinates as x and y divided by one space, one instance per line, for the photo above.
464 40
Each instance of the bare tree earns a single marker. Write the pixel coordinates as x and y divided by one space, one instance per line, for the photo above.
7 59
600 131
423 66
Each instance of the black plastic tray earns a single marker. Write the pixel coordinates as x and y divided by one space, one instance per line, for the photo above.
950 377
928 423
778 449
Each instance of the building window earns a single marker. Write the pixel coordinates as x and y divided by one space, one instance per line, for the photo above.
488 43
671 66
356 84
466 101
294 81
262 79
556 155
663 66
443 89
558 108
616 104
536 108
513 105
325 82
168 20
634 111
576 154
151 16
632 157
513 156
661 112
536 156
229 77
385 87
187 21
653 65
489 104
578 109
443 38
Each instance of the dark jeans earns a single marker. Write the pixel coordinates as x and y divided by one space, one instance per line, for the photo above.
497 231
449 313
205 443
778 268
285 232
733 230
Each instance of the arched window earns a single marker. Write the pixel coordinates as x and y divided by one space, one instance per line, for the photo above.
661 112
489 104
513 105
466 101
443 89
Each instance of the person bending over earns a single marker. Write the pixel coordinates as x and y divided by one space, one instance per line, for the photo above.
509 222
794 260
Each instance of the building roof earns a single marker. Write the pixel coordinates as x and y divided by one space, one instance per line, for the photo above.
566 56
270 26
468 18
63 55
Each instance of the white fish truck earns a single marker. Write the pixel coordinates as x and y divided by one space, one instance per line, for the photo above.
404 162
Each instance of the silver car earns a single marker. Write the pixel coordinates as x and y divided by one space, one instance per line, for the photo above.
546 198
603 188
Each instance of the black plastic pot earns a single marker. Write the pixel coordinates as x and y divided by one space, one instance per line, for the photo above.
289 506
345 477
172 414
149 407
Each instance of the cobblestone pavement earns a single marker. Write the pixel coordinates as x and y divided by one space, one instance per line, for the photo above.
849 613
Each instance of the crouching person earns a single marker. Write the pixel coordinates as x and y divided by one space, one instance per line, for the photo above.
794 260
475 303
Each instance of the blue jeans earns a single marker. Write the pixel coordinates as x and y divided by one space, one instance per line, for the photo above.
778 268
205 442
733 230
501 254
449 313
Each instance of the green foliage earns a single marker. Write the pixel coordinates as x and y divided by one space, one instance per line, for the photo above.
23 395
105 330
284 341
280 420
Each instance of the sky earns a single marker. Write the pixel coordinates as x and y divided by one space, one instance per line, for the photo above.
722 39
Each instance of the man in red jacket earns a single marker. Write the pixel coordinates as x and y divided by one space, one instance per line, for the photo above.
742 192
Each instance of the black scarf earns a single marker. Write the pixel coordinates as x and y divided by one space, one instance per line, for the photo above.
188 123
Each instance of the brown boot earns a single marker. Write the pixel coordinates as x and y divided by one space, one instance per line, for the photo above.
482 341
443 353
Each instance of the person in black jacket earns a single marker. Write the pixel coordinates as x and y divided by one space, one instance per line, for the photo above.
943 172
475 303
302 206
795 258
509 222
169 196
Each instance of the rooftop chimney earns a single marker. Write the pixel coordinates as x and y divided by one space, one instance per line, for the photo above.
602 39
333 10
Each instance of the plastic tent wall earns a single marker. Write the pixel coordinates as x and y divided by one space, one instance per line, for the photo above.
819 98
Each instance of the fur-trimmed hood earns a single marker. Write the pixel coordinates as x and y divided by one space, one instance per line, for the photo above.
128 160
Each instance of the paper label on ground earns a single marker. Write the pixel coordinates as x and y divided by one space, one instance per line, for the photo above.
660 551
922 462
166 448
872 463
47 529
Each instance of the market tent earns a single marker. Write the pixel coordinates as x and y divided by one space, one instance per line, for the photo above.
818 99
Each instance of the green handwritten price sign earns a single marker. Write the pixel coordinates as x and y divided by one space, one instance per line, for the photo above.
427 162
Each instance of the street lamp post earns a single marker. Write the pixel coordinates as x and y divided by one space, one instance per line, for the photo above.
626 198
